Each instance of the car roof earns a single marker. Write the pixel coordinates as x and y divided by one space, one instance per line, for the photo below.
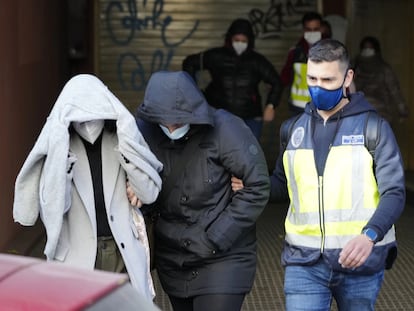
28 283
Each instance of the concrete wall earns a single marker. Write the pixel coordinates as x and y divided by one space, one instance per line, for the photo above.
30 79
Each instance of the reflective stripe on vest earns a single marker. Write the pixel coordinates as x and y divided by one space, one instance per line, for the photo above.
299 93
327 211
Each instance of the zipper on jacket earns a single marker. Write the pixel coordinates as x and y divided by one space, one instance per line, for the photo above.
321 213
320 186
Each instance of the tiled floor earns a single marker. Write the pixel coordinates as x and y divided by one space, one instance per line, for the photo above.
397 292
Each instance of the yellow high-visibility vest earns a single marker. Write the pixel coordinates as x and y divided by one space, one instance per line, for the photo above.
299 93
327 211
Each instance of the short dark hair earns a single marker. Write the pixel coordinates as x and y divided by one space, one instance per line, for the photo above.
240 26
329 50
310 16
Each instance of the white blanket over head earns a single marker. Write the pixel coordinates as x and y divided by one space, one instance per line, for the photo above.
41 183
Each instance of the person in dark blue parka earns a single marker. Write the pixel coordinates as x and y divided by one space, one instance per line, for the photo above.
205 236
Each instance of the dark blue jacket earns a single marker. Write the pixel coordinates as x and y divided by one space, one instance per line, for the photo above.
205 235
388 167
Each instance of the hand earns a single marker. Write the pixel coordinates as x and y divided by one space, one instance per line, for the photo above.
268 113
355 252
236 184
132 198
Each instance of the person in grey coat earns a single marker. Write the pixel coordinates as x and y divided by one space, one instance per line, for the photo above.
205 237
75 179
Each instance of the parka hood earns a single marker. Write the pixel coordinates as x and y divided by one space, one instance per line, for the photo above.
174 98
240 26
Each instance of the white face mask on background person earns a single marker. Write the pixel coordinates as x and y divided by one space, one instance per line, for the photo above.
177 133
239 46
312 36
89 130
367 52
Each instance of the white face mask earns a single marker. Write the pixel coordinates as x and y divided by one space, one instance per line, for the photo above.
367 52
239 46
312 36
89 130
177 133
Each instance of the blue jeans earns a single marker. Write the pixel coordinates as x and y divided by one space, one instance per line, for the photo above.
255 126
312 288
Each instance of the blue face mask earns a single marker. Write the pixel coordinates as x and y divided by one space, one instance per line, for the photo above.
177 133
325 99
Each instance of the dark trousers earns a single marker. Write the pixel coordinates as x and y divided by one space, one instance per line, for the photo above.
217 302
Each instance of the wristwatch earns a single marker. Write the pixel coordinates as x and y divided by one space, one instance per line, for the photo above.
371 234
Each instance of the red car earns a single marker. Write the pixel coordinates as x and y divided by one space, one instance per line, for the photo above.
33 284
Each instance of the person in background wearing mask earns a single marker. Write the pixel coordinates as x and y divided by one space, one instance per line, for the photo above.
236 71
293 74
344 201
75 178
379 83
205 236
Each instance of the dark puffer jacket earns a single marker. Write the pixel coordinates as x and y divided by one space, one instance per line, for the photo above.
235 78
205 235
